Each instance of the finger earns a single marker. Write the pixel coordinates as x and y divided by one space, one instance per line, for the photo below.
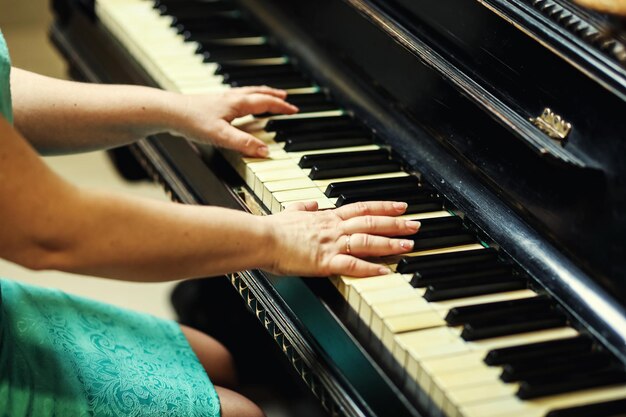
261 89
263 103
351 266
362 244
371 208
232 138
380 225
302 206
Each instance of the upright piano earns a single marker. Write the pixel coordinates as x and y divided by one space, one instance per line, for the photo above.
499 122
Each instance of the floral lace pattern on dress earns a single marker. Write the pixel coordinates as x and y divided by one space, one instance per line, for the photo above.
88 358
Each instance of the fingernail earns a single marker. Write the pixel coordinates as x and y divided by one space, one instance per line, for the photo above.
407 244
400 206
263 151
383 270
412 224
295 108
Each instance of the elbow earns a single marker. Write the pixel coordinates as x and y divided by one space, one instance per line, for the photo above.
45 256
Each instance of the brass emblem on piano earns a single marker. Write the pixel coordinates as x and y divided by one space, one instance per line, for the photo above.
553 125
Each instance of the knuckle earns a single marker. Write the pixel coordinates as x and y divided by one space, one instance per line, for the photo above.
361 208
369 222
248 142
353 264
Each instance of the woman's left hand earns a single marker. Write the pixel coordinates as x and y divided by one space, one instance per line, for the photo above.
207 118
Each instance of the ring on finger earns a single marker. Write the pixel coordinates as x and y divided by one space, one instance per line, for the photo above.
348 251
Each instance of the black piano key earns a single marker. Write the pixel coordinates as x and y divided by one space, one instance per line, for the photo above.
542 388
438 227
307 161
219 33
324 171
451 290
207 3
425 277
304 107
441 232
309 106
550 366
415 204
442 241
552 347
309 98
410 264
512 325
441 224
275 82
233 71
323 134
460 315
615 408
225 38
188 9
314 107
301 146
310 124
211 22
213 27
410 190
159 3
377 185
214 53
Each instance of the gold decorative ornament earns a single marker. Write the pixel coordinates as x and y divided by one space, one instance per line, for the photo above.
553 125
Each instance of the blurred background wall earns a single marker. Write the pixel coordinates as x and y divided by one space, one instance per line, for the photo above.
25 24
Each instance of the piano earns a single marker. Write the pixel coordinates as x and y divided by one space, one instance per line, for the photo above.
499 122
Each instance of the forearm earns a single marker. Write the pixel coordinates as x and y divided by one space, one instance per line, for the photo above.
143 240
123 237
59 116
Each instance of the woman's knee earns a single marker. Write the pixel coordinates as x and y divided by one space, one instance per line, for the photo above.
233 404
214 357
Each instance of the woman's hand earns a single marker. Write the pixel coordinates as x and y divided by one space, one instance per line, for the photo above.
206 117
322 243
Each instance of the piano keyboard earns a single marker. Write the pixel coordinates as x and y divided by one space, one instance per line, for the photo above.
455 318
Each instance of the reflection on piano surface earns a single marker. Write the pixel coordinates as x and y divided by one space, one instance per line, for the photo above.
503 308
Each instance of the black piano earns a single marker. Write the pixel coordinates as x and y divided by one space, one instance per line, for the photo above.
500 122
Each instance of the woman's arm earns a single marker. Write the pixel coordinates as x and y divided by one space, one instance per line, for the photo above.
46 223
59 116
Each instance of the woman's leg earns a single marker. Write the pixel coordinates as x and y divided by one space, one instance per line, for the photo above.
214 357
236 405
219 365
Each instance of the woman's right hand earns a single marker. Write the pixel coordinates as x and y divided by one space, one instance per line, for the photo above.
308 242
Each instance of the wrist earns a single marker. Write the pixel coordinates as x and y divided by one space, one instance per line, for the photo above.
266 234
170 115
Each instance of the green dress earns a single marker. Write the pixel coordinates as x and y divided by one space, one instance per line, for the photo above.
67 356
